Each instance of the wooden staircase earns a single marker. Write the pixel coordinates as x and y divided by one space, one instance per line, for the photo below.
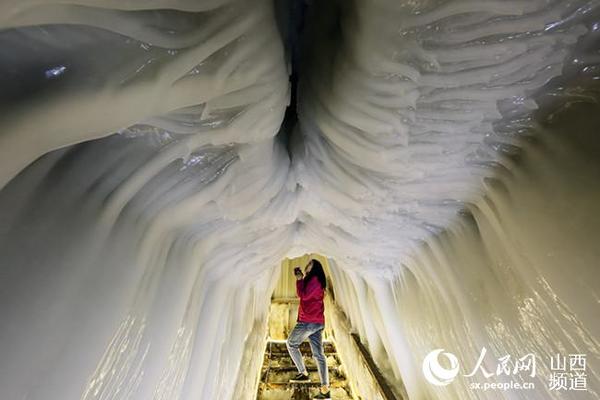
278 369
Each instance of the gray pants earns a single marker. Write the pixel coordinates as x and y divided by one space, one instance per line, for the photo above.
314 333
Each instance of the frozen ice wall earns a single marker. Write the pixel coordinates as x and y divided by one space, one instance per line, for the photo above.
138 263
446 158
452 152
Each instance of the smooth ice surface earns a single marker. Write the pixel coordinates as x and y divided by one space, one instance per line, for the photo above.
446 158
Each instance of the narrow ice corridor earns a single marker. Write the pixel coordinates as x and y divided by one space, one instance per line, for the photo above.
160 158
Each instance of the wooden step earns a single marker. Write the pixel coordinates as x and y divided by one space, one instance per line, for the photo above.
278 369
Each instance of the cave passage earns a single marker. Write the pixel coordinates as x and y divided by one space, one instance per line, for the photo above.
352 372
160 158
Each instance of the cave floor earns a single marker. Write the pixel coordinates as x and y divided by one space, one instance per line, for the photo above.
278 369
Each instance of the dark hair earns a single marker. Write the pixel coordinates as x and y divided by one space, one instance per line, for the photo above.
316 270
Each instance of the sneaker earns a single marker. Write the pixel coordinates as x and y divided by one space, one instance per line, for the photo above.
323 396
300 378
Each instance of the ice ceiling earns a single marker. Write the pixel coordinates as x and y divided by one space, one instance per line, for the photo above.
445 156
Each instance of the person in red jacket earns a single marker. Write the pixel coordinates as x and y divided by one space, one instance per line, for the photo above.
310 288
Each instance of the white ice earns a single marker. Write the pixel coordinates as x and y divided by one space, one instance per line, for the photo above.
445 160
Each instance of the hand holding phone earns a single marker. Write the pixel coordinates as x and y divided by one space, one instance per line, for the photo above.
298 272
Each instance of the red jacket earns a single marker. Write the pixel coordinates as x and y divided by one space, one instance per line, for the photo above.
311 301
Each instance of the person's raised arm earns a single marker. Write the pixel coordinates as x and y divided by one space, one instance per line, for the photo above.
299 282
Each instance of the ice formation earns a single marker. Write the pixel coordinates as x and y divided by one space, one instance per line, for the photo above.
445 159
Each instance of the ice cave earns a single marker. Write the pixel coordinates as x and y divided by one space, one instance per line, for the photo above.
164 164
